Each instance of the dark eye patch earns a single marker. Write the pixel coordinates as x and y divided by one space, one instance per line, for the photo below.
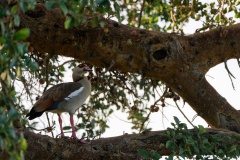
81 65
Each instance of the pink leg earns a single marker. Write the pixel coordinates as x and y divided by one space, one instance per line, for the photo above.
73 130
60 123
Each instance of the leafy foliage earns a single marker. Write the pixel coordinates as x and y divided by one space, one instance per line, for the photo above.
13 60
76 10
199 144
147 155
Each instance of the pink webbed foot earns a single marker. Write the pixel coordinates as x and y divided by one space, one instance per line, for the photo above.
83 141
80 140
74 133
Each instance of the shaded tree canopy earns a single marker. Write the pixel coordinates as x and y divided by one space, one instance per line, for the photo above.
139 51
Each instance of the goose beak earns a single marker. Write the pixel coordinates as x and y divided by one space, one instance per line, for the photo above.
87 69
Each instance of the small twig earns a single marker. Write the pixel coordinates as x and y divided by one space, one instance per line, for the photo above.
111 65
226 67
163 115
140 15
229 73
39 129
183 114
146 119
46 72
131 90
172 16
186 17
238 62
73 60
210 76
236 3
231 81
204 28
155 103
165 91
49 123
122 120
194 117
23 80
36 129
47 83
221 4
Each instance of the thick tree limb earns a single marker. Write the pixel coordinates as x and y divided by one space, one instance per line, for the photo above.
121 147
179 61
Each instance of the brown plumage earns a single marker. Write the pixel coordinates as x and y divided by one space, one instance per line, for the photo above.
54 95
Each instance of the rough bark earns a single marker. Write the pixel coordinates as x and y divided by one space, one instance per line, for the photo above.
121 147
179 61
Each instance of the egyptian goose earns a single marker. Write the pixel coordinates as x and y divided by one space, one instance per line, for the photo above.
64 97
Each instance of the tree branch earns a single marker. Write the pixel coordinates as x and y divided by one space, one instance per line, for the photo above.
121 147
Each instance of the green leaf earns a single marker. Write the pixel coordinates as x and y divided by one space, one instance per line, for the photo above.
233 148
13 112
16 20
95 22
176 120
117 8
201 129
13 62
181 150
196 148
170 144
156 156
12 133
18 71
50 4
110 112
21 34
2 40
217 18
64 8
23 144
220 152
81 125
27 5
170 157
102 24
62 68
67 23
34 65
88 126
212 4
102 2
14 9
2 27
66 127
4 74
237 15
144 153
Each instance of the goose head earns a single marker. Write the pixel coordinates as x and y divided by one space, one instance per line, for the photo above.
79 71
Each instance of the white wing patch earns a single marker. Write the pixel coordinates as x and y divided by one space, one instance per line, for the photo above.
74 94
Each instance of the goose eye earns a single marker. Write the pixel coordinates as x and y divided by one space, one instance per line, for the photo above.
81 65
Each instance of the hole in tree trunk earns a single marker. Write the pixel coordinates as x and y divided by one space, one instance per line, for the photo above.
160 54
